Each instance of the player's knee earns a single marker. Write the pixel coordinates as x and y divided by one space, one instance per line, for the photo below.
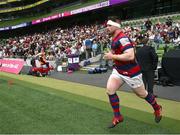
142 94
110 91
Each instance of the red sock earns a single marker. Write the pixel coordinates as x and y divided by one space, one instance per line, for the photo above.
151 100
114 101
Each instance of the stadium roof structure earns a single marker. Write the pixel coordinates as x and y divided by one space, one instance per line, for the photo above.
77 10
19 8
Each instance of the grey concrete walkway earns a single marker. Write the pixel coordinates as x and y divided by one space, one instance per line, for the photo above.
172 93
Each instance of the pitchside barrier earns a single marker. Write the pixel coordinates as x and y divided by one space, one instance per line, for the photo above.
11 65
16 66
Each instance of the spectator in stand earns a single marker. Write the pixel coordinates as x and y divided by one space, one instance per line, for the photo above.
88 47
148 24
170 33
166 38
176 32
1 52
169 21
176 36
157 38
94 48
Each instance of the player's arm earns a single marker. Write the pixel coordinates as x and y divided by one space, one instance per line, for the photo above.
127 55
127 48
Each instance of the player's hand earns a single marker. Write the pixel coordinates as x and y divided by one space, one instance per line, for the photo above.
108 56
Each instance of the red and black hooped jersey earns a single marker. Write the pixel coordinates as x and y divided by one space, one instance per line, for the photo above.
128 68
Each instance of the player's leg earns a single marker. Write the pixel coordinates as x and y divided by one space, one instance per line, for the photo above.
150 98
113 84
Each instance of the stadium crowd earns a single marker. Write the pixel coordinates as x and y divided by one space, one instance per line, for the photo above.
57 43
86 41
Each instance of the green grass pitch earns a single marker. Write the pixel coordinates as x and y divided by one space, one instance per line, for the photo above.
29 106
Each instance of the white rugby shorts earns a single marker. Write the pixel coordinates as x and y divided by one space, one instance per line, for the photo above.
133 82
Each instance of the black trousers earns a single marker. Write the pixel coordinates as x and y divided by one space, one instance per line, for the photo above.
148 79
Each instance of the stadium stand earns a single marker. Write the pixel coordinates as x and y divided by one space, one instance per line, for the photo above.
68 35
83 29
